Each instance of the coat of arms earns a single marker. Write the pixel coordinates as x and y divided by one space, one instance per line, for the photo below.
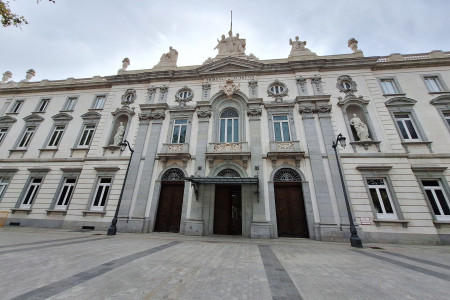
230 88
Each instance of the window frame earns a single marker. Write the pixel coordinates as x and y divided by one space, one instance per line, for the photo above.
442 104
52 133
281 128
4 185
398 118
384 215
16 107
39 108
24 135
441 217
180 127
439 82
235 134
68 106
90 119
396 85
95 102
95 190
381 171
3 133
6 174
89 137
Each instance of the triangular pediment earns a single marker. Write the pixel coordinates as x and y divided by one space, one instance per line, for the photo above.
230 65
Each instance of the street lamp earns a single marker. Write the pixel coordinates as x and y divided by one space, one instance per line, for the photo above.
355 241
113 229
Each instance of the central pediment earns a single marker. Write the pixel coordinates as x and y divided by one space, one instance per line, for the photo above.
230 65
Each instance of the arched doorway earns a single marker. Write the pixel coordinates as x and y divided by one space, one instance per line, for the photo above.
170 202
290 206
228 206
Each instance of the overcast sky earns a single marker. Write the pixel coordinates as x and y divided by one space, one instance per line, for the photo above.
84 38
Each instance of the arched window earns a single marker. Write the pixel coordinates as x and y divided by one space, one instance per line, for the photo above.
229 126
286 175
228 173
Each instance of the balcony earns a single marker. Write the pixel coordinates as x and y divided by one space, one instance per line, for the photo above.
174 152
281 150
233 151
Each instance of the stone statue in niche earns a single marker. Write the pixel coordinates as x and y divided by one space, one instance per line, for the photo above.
361 129
118 137
168 59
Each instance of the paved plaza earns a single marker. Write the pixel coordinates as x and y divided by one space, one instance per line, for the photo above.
62 264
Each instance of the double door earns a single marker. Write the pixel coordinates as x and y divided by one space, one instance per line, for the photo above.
228 210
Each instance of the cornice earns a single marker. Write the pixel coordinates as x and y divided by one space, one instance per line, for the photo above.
243 68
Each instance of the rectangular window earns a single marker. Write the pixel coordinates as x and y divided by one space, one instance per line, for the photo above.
86 135
446 116
31 192
70 103
3 131
56 136
16 107
179 131
433 84
407 127
3 185
101 193
26 138
66 193
99 102
380 197
281 128
438 200
389 87
43 105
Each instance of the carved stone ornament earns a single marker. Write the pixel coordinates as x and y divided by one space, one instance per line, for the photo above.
254 111
301 81
230 46
151 91
6 76
309 109
230 88
129 97
228 147
204 113
284 145
174 147
184 95
125 64
353 44
152 116
345 84
253 85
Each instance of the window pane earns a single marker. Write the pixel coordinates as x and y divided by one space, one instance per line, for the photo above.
411 129
183 134
222 130
280 118
277 130
98 196
229 130
375 181
433 84
443 202
386 202
286 132
105 195
402 128
433 202
62 196
236 131
176 131
375 200
430 182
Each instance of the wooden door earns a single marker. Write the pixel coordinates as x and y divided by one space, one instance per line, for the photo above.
170 204
228 210
290 207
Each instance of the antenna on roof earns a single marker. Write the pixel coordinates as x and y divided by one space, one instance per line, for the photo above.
231 27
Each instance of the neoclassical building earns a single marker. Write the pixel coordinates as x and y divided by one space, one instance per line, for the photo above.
236 146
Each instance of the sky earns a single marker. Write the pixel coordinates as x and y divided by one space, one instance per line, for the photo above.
85 38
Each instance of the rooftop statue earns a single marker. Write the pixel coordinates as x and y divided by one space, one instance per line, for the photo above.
299 49
230 46
168 59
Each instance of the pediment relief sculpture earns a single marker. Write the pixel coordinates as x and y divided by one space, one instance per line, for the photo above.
298 48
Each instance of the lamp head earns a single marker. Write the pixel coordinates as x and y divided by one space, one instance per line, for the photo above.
341 140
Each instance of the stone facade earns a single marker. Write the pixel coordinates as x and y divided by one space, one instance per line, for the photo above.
196 128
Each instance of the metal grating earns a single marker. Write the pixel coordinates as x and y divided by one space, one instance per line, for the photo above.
173 174
228 173
287 175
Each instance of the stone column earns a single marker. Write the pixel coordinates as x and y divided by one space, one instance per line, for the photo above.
327 228
194 225
260 227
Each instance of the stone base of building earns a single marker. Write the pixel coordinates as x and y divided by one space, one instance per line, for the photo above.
406 238
193 227
134 225
333 233
42 223
261 230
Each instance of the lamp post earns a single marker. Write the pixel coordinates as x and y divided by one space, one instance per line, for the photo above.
355 241
112 228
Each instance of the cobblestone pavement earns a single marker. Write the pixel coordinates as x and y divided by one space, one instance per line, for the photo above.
60 264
